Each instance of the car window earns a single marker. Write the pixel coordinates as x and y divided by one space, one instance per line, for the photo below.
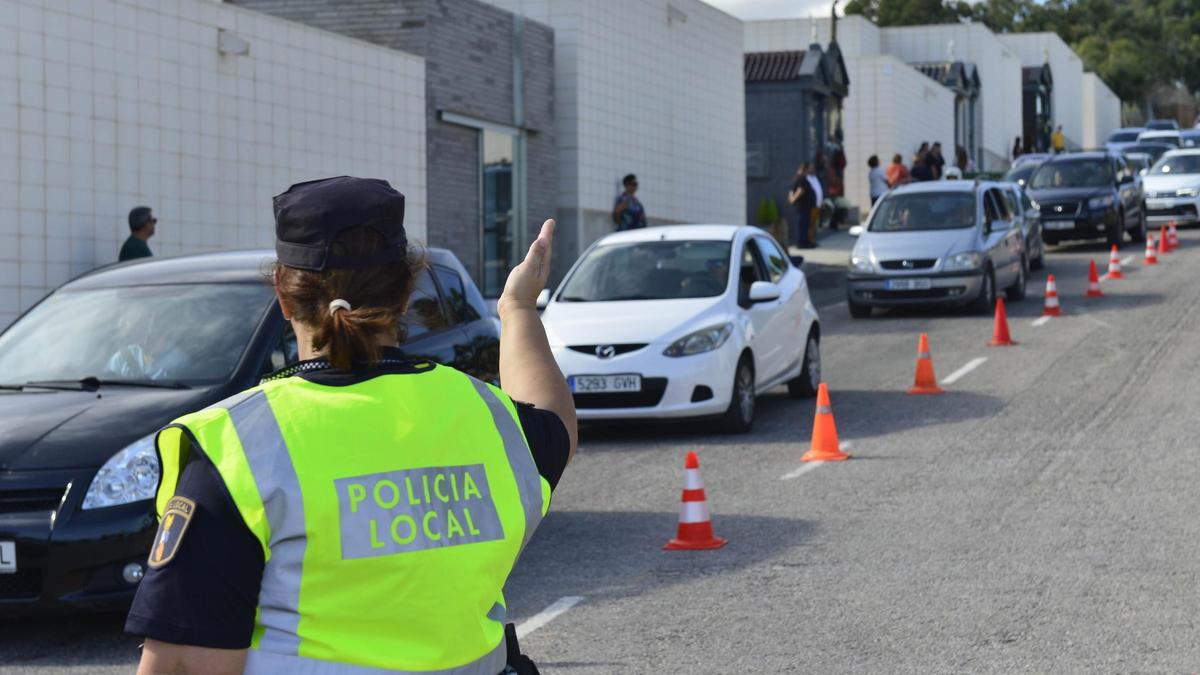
649 270
188 333
776 261
914 211
1177 164
1010 203
990 209
284 352
1074 173
1123 136
455 294
425 312
750 270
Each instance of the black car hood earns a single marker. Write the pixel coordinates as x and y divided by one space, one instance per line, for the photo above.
42 429
1066 193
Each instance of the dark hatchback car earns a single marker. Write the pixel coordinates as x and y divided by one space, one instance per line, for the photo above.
89 375
1088 195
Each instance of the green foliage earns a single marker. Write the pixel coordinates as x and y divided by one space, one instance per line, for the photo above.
767 213
1134 45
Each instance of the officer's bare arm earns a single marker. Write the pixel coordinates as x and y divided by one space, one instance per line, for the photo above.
164 658
528 371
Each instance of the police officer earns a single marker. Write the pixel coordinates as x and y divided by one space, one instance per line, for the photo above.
358 512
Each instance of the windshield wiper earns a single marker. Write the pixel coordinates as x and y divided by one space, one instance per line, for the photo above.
92 383
572 298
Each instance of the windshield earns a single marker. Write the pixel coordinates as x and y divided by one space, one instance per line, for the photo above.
1021 173
1085 173
651 270
190 334
1123 136
1177 164
1171 139
1155 150
925 211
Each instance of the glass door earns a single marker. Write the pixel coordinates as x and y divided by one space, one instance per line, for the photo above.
501 226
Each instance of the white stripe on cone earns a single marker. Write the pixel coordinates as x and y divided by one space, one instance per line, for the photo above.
691 480
693 512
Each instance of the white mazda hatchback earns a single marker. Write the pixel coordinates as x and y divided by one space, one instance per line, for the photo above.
683 321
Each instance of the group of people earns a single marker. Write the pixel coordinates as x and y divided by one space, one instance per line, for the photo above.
1058 144
927 164
814 182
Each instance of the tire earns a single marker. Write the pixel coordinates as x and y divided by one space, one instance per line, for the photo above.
986 302
739 416
858 311
805 384
1117 237
1040 261
1138 233
1016 292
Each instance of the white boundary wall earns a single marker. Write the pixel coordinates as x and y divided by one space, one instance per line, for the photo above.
1101 111
108 104
1066 68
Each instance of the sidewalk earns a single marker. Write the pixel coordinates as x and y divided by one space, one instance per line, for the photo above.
825 265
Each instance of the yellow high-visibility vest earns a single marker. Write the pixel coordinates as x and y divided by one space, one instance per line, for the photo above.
390 513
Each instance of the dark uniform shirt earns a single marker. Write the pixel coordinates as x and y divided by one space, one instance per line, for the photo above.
207 594
134 248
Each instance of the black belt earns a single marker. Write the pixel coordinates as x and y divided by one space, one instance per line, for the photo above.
518 663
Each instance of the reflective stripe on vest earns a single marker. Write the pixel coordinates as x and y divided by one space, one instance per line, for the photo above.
273 503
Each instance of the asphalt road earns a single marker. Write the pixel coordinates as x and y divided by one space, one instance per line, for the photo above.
1037 517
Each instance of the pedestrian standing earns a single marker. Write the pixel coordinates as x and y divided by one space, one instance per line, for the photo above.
961 159
937 163
359 511
1016 151
803 198
628 213
877 179
142 224
1058 140
897 173
920 168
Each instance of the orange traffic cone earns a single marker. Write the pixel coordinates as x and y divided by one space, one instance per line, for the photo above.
1172 236
1051 308
1151 256
1000 336
1114 264
1093 290
1164 246
824 446
695 529
924 382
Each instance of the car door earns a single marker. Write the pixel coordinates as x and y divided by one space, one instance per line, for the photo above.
763 316
1002 238
792 287
430 331
1129 189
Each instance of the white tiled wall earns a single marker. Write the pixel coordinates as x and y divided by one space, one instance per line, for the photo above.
1101 111
1066 68
856 36
108 104
999 77
893 110
648 87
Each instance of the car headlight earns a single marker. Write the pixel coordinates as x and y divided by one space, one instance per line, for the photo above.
703 340
861 263
963 261
1187 192
130 475
1034 204
1102 202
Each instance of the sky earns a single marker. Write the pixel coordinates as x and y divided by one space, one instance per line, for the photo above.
773 9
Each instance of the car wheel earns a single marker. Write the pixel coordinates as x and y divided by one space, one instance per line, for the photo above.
986 302
1138 233
805 384
1016 292
1040 261
739 416
1117 236
858 311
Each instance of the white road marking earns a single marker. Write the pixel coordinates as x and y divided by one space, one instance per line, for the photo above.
547 615
1127 259
1100 322
958 374
805 467
1041 321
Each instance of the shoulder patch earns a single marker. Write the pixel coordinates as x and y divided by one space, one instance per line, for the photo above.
174 523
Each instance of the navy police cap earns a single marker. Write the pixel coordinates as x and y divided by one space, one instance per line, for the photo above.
310 216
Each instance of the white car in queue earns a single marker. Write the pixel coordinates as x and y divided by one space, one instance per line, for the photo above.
683 321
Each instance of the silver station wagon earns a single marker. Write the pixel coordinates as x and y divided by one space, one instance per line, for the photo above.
938 242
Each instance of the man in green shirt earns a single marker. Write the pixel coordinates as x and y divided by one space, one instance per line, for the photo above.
141 224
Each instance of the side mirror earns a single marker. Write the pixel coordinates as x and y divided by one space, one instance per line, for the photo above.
856 231
797 260
764 291
543 298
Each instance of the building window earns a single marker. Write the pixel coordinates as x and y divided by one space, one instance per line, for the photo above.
501 222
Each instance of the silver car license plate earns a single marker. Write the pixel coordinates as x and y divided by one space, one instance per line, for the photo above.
1159 204
908 284
8 557
601 384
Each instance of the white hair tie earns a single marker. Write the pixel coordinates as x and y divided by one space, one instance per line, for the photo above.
335 305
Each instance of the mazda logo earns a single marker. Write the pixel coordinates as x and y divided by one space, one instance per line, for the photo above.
906 264
606 351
